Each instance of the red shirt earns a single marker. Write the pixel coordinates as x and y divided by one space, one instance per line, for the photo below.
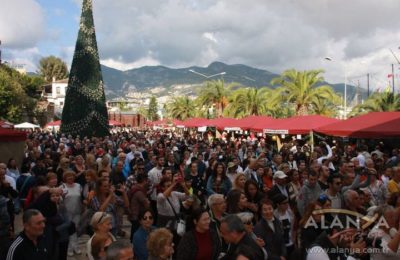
204 245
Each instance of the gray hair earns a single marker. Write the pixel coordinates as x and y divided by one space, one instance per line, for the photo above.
234 223
28 214
115 248
245 216
212 200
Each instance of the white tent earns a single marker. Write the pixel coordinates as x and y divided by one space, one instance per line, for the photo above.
26 125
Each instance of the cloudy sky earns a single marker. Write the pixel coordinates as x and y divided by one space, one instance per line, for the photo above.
268 34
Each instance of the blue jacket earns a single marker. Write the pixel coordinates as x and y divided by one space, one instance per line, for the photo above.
139 243
225 186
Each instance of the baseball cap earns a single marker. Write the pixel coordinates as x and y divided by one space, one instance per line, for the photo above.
279 175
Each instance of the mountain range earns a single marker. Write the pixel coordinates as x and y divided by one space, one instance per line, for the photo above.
143 79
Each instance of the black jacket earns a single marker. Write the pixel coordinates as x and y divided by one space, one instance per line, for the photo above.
24 249
274 240
188 248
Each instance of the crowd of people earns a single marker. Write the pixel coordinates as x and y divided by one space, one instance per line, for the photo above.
193 196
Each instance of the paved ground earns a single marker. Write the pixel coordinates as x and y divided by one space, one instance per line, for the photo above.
82 239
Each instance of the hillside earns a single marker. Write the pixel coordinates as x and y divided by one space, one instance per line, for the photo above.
143 79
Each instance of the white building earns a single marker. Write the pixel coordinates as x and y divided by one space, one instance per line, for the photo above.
54 93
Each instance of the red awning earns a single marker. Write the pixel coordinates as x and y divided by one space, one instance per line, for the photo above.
371 125
195 122
263 122
222 123
5 124
301 124
54 123
9 135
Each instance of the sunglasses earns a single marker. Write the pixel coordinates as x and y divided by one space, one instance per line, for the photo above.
148 218
248 223
338 183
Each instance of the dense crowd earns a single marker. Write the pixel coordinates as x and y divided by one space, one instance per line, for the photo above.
194 196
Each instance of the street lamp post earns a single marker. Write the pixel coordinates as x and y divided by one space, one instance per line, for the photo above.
345 89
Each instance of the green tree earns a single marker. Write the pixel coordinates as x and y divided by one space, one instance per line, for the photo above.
325 107
153 109
303 88
182 108
85 110
214 93
250 101
379 102
18 94
52 66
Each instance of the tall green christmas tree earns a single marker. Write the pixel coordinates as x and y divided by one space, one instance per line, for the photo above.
85 111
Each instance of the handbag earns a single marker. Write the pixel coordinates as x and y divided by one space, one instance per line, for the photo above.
181 224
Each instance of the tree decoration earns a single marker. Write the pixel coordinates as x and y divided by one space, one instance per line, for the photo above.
85 111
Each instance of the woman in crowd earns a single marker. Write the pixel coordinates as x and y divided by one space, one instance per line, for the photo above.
73 206
101 223
99 245
105 164
160 245
141 235
294 186
79 168
200 242
287 219
90 185
51 180
269 229
218 182
291 161
267 179
236 202
253 195
106 200
169 201
62 167
308 234
247 219
238 183
12 169
90 162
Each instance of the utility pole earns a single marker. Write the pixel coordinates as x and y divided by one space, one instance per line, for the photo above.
367 84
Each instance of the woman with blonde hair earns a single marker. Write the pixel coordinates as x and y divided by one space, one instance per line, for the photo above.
79 168
160 245
63 166
239 182
101 224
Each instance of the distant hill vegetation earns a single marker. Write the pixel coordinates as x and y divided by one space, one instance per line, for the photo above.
143 79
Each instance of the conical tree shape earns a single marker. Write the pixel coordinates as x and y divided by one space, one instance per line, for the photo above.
85 111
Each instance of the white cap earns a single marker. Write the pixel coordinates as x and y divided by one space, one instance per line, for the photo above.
279 175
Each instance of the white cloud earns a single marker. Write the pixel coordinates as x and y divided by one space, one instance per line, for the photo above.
270 34
21 23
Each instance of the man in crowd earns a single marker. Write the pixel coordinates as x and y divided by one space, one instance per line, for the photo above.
30 244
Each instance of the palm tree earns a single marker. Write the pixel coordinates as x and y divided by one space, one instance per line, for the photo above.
181 108
325 107
214 94
250 101
379 102
301 88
